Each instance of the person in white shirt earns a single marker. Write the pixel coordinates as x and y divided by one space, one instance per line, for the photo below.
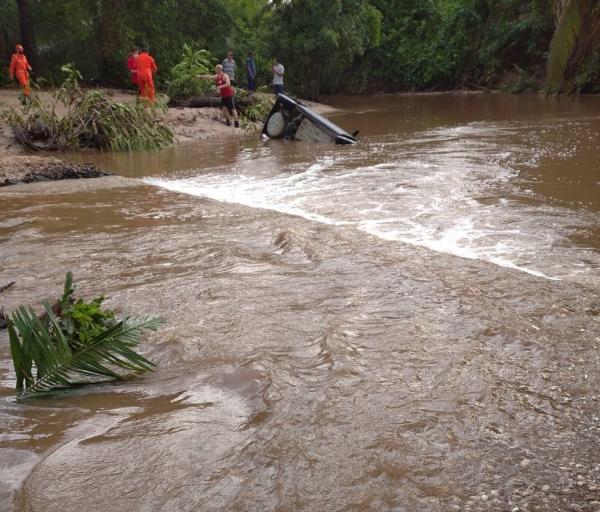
229 67
278 71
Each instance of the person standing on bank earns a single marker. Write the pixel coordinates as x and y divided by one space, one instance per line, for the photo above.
223 83
19 69
146 69
132 66
251 71
229 67
278 71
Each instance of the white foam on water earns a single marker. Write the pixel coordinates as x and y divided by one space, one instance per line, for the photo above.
457 240
428 198
279 195
247 192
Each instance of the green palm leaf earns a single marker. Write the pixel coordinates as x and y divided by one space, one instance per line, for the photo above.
563 44
576 37
61 358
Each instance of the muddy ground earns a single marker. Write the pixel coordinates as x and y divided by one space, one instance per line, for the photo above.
188 124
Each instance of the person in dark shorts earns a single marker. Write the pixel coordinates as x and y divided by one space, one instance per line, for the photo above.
227 93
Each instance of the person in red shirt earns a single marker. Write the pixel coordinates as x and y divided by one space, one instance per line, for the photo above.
132 66
19 69
146 67
227 92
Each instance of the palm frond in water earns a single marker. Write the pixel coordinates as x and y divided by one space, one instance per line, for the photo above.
43 344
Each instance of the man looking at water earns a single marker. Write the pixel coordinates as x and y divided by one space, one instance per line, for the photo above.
278 71
229 67
227 92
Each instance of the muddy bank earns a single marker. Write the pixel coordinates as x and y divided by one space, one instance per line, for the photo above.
188 124
29 169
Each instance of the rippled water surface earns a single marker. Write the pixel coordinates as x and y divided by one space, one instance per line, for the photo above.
411 323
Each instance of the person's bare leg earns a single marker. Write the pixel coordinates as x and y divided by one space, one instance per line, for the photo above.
227 118
235 117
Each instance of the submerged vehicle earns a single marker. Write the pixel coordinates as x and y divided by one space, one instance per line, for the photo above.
290 119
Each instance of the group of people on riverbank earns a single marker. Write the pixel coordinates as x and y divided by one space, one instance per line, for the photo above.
142 69
230 69
225 80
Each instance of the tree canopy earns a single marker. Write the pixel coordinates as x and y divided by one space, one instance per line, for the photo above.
350 46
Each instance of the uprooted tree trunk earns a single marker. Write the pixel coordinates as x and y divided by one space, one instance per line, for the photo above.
209 101
92 119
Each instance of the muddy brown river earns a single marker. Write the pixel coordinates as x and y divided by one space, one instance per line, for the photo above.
408 324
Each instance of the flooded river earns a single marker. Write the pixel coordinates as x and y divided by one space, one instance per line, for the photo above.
411 323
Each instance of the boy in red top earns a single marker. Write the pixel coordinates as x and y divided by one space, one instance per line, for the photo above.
132 66
146 67
227 92
20 68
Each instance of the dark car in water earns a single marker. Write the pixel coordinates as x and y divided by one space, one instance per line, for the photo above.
290 119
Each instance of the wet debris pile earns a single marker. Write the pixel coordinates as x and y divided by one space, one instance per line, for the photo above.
23 169
88 119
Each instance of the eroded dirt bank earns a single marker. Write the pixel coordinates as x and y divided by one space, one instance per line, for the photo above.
29 169
188 125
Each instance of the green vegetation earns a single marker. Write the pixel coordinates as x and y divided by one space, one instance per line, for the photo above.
355 46
322 39
73 343
254 107
575 39
183 81
90 119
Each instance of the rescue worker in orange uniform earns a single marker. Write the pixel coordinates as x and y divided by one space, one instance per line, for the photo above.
146 67
132 66
19 69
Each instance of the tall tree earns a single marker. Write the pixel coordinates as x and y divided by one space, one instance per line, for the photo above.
576 37
110 39
27 32
321 39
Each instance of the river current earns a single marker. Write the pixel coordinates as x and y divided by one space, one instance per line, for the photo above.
410 323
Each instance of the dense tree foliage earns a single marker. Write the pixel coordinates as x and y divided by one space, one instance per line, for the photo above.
577 36
322 39
336 46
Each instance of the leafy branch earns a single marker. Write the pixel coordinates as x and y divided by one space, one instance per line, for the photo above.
73 343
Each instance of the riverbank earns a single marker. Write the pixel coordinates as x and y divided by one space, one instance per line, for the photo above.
188 124
29 169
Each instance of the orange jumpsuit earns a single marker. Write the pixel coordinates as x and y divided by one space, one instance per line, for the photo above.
145 68
19 67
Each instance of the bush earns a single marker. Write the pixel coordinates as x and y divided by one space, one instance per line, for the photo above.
91 120
184 83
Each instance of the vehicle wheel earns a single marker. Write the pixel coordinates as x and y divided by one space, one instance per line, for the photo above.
276 126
